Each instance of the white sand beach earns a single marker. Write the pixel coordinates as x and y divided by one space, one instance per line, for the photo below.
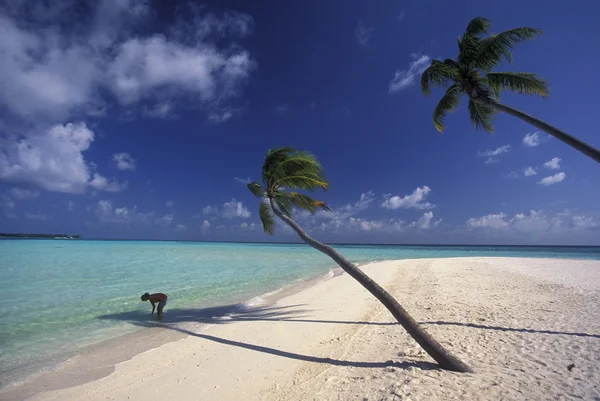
530 328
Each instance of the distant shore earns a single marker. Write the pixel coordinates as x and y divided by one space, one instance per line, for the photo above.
529 327
45 236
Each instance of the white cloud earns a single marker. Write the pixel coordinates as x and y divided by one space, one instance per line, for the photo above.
166 220
50 73
234 209
70 205
244 181
144 67
162 109
536 223
106 213
205 226
529 171
553 164
52 160
343 219
181 227
249 227
124 161
20 193
415 200
210 210
495 221
220 116
363 33
405 78
35 216
424 223
169 203
492 155
103 184
532 139
552 179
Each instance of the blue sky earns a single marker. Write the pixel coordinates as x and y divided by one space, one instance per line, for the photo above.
122 119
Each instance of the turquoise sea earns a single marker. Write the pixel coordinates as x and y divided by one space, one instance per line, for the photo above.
55 292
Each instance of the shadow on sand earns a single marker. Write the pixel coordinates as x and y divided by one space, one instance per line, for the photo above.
482 326
174 319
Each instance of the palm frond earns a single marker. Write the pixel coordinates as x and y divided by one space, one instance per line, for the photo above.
439 74
284 203
266 217
289 168
307 203
447 104
467 49
524 83
477 26
273 158
482 116
256 189
492 48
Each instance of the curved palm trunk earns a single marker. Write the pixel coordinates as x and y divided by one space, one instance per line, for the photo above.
428 343
583 147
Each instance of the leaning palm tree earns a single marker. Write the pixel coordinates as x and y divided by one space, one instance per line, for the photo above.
286 170
471 74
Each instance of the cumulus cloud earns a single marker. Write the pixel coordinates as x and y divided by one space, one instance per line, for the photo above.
52 161
234 209
244 181
552 179
532 139
529 171
124 161
495 221
205 227
106 213
363 33
405 78
50 72
553 164
229 210
536 224
491 155
101 183
425 222
415 200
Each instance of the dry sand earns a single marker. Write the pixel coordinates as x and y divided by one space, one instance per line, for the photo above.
519 323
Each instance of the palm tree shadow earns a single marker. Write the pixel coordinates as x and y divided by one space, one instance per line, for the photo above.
485 327
176 319
293 355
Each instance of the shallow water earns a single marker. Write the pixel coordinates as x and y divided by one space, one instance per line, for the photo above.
57 293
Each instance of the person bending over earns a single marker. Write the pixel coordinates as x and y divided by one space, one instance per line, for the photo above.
158 298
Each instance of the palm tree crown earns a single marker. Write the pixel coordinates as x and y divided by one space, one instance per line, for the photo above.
284 170
471 73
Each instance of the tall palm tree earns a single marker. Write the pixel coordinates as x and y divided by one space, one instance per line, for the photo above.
471 74
285 170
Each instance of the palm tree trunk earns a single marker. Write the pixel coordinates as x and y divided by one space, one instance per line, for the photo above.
583 147
428 343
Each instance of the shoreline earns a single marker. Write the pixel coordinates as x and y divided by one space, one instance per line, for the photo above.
288 306
93 362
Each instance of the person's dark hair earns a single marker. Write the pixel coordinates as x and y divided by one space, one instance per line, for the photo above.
145 297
